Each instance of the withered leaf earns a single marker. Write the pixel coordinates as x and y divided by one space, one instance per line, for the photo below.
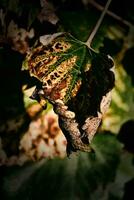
47 12
77 81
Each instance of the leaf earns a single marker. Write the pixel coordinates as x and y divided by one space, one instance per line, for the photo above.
125 172
77 81
13 5
33 13
82 28
19 37
47 13
122 105
66 178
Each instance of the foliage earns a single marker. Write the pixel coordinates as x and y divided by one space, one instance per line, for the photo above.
107 173
70 72
71 176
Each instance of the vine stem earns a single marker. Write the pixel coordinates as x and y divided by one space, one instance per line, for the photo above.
92 35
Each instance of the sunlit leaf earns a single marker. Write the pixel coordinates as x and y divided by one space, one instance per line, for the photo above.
76 80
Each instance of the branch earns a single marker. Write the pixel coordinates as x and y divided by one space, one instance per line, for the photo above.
113 15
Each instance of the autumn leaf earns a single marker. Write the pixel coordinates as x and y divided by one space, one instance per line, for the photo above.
76 80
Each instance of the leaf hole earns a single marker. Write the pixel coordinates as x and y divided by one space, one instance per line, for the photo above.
49 82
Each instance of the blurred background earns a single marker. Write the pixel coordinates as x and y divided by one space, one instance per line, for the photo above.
33 162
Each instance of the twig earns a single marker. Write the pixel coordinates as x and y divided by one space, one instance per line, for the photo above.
88 43
113 15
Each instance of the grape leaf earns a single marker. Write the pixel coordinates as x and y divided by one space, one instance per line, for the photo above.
78 176
82 28
76 80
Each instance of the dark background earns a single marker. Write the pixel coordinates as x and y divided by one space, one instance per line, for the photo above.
107 174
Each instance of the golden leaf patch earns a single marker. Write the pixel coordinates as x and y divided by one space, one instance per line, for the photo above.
77 81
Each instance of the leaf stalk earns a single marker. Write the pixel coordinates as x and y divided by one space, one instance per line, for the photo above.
93 33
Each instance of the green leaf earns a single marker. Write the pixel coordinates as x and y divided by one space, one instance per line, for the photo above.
66 178
82 28
13 5
33 12
124 173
